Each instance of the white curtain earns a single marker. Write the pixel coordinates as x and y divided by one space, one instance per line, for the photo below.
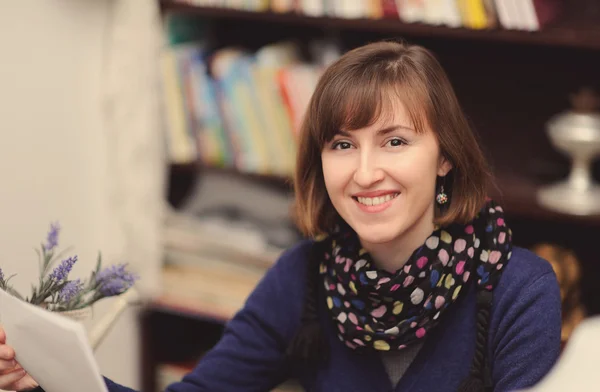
134 134
136 165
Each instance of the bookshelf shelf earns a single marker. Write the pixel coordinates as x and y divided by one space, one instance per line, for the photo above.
570 32
183 177
181 307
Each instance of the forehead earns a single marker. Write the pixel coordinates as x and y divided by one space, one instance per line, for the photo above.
392 112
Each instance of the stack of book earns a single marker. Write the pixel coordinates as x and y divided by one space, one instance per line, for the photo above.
220 243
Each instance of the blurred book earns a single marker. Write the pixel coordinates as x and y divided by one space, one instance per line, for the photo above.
230 107
196 283
229 232
234 217
528 15
217 239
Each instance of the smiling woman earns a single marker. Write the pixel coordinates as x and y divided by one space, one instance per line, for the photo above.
385 121
392 178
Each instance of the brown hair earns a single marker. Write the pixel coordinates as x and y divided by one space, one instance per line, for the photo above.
355 92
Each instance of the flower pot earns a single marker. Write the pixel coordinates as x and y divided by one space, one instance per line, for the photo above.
85 316
81 315
97 328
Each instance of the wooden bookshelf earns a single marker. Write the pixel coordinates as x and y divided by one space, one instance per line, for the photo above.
527 75
510 83
575 30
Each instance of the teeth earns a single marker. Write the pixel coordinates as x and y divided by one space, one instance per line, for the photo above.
373 201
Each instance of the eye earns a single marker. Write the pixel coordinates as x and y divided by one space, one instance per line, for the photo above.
395 142
341 145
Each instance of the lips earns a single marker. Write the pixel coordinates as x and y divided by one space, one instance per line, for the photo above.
375 193
375 201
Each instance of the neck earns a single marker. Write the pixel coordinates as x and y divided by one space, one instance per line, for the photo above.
392 255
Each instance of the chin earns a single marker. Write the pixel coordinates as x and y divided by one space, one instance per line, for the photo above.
376 233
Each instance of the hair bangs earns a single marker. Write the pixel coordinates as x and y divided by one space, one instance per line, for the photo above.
353 102
416 102
363 99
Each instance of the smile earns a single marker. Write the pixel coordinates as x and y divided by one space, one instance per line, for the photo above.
375 204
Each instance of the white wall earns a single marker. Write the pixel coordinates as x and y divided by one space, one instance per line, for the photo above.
54 159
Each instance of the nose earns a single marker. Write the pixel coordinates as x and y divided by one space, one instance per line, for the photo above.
368 172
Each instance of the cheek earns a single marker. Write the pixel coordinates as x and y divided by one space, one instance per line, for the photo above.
417 173
335 175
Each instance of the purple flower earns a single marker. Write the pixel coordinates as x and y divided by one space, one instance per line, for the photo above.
70 290
52 238
61 272
115 280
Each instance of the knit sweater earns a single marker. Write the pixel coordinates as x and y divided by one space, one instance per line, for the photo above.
523 339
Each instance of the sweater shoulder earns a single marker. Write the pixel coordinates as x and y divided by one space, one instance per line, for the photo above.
523 268
526 279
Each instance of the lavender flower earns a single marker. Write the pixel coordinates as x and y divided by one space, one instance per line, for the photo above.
61 272
52 239
56 292
70 290
115 280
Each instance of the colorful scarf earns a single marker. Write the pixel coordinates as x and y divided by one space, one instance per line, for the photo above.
373 308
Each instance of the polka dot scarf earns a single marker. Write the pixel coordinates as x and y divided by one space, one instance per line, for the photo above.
373 308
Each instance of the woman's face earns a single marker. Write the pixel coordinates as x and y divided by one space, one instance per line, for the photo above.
381 178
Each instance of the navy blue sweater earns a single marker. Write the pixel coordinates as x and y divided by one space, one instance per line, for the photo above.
523 344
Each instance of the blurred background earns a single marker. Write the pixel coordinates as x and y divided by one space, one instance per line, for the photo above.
163 133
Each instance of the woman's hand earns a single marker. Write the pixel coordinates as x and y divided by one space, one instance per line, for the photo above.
12 376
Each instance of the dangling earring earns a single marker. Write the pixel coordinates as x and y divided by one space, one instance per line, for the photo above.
441 197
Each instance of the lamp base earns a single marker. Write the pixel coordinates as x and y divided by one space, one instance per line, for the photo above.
564 198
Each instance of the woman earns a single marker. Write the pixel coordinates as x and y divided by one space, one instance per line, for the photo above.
411 282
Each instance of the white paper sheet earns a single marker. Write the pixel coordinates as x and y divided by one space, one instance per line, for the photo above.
54 350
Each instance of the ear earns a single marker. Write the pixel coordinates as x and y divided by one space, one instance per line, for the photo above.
444 166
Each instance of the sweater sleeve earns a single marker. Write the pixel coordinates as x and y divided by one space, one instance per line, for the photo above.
527 343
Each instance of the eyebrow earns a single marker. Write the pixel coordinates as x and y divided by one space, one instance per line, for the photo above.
381 132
